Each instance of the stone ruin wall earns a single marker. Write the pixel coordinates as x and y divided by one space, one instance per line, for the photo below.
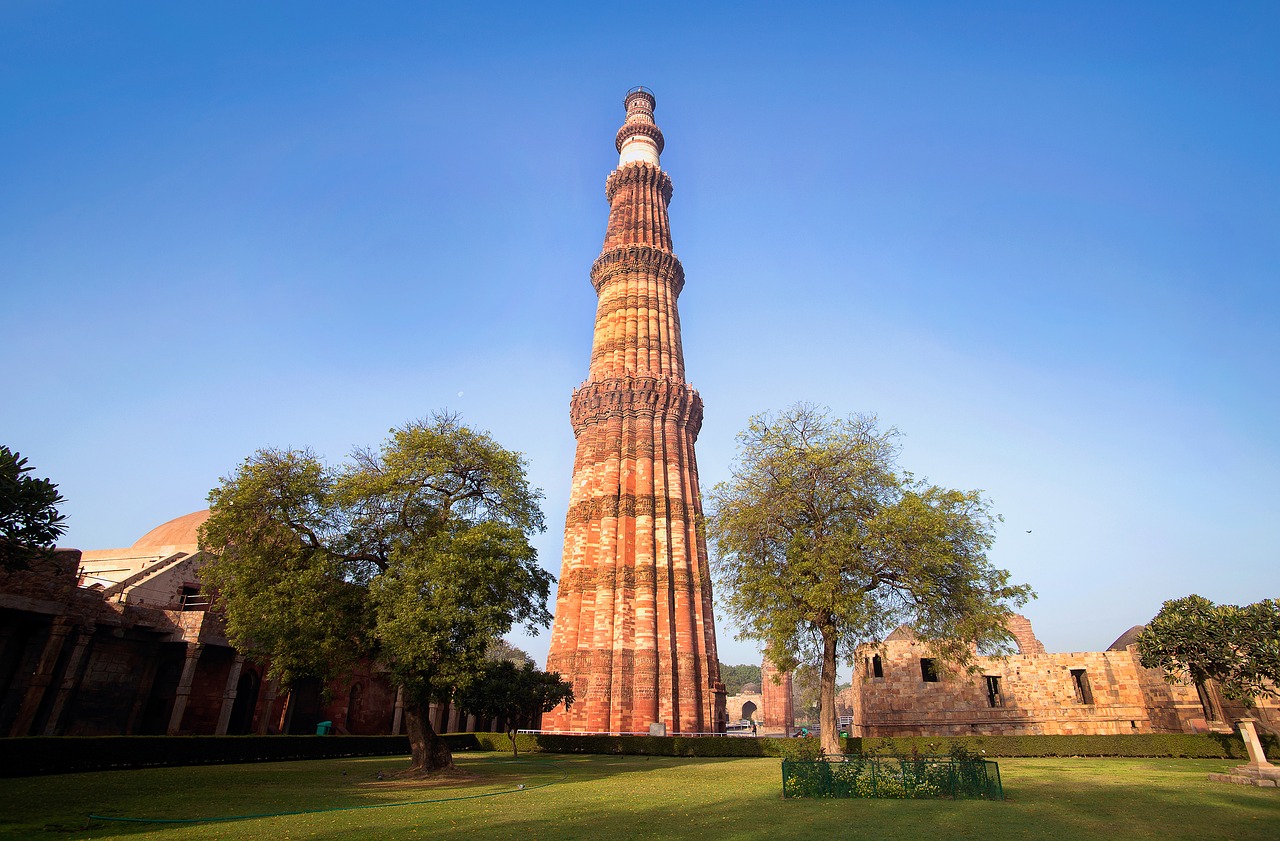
1037 695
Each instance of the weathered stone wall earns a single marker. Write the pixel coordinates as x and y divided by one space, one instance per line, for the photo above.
745 705
1034 692
107 690
1037 694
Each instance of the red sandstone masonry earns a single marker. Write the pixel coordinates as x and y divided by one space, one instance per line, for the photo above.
634 629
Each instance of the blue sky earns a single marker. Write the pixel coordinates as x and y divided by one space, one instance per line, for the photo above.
1043 240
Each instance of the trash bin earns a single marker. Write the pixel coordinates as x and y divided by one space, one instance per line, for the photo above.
324 728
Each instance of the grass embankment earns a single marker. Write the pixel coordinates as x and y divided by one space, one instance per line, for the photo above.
595 797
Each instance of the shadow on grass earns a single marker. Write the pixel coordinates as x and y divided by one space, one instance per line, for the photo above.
218 795
663 797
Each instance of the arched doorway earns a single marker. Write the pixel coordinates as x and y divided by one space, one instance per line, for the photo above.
354 705
246 701
749 709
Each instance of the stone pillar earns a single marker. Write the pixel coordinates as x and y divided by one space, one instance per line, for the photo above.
397 720
286 713
777 716
143 692
436 715
229 696
41 678
184 688
1257 757
70 680
268 702
1257 771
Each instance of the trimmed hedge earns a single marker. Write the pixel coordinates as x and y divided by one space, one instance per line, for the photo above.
31 755
63 754
1184 745
1181 745
632 745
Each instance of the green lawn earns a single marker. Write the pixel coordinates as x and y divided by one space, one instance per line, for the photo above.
608 797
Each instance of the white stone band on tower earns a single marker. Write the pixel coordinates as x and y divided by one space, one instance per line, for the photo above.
639 139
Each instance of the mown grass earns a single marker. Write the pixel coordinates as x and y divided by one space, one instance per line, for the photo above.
608 797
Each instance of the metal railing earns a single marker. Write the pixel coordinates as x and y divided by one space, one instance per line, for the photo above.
195 601
892 777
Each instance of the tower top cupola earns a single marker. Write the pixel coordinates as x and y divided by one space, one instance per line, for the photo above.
639 139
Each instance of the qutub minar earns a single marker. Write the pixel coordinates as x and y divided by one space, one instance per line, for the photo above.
634 629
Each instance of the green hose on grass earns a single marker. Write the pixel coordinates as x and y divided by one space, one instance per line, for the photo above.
563 776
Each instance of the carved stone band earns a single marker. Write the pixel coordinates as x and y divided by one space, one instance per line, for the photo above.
636 397
631 258
641 173
649 130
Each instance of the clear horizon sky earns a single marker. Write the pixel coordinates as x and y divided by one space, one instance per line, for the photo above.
1043 241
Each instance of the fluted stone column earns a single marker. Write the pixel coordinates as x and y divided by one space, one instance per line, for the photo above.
634 629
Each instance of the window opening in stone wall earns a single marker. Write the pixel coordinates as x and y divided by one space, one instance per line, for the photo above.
190 598
928 670
994 698
1080 681
877 666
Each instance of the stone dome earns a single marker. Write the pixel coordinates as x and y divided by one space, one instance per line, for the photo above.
750 689
181 531
1127 639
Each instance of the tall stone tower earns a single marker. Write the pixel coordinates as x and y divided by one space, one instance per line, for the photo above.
777 707
634 629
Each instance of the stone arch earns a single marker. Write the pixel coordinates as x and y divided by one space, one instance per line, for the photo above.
749 709
1024 638
241 721
355 704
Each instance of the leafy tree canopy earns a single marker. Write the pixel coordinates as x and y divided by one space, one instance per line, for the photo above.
735 677
416 554
806 692
29 520
1238 647
515 694
821 542
500 649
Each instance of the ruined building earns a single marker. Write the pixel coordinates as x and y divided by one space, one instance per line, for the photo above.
634 630
768 703
121 642
900 690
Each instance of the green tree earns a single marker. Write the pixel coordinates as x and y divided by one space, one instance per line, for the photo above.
1238 647
500 649
29 520
735 677
514 694
820 543
416 554
806 692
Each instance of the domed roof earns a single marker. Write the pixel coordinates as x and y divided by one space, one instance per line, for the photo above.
181 531
1127 639
750 689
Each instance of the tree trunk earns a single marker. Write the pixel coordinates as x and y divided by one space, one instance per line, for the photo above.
827 696
430 753
511 734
